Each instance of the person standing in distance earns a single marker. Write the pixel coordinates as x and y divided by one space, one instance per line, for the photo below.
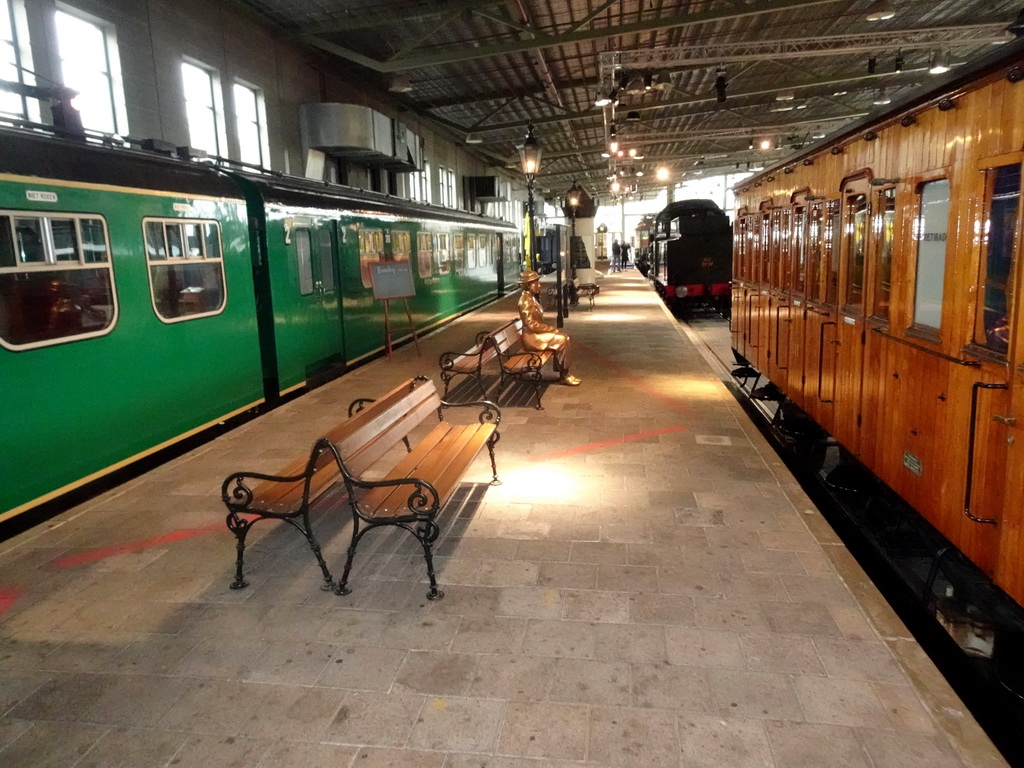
538 335
616 255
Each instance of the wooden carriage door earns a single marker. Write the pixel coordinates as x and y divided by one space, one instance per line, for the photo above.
850 327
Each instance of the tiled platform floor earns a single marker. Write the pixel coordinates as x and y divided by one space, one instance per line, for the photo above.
648 587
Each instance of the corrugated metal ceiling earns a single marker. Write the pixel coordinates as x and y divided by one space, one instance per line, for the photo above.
486 69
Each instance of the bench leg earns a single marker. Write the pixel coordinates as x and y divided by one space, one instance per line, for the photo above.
536 391
307 530
490 450
240 527
427 533
343 588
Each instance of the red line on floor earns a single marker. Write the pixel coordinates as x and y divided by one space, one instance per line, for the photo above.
602 444
135 546
8 597
673 402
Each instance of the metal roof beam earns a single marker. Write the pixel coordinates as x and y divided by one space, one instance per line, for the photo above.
543 39
355 22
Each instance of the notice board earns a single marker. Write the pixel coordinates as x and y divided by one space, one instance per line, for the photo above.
392 280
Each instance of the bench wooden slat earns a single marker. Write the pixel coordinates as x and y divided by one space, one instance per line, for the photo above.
441 459
360 456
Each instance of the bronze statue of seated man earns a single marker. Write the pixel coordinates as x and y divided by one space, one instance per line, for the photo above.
538 335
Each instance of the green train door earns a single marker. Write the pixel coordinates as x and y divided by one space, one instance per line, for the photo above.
321 337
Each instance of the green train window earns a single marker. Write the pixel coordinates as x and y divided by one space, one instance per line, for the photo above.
186 268
999 244
371 250
56 279
441 255
471 253
459 255
304 261
425 254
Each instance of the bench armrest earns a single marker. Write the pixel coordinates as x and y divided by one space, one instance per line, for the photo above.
424 501
237 494
490 413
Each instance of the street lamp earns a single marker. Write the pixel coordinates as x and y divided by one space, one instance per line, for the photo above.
529 156
572 201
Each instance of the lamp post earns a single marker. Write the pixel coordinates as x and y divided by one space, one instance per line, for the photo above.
529 156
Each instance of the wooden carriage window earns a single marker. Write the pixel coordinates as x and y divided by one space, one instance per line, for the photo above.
785 249
815 289
998 249
930 234
882 234
828 267
799 247
740 249
762 254
856 237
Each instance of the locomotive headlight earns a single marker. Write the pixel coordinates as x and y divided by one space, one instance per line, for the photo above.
681 291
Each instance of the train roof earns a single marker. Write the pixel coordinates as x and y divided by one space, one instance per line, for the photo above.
710 217
298 191
42 153
960 77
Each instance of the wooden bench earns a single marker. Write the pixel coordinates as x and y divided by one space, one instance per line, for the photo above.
470 362
516 362
410 494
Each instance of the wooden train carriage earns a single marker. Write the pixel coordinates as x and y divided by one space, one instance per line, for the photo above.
126 310
876 284
318 243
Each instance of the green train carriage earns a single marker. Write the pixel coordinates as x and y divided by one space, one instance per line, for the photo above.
125 285
144 298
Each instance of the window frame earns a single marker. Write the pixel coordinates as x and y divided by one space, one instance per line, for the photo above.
50 263
260 123
215 107
113 75
917 328
169 261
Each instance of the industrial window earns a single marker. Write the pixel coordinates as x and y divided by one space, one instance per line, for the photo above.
371 250
15 60
251 124
56 282
426 183
999 243
186 268
856 237
882 233
203 108
425 254
930 233
446 183
471 254
90 65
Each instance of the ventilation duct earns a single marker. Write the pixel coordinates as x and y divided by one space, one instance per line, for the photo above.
361 135
489 189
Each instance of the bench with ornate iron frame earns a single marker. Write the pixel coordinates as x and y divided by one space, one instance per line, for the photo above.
470 362
410 495
515 361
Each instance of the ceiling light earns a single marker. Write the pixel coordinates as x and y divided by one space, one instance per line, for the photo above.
662 174
766 144
613 146
632 151
880 10
939 62
473 139
633 116
785 96
602 101
606 154
881 97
